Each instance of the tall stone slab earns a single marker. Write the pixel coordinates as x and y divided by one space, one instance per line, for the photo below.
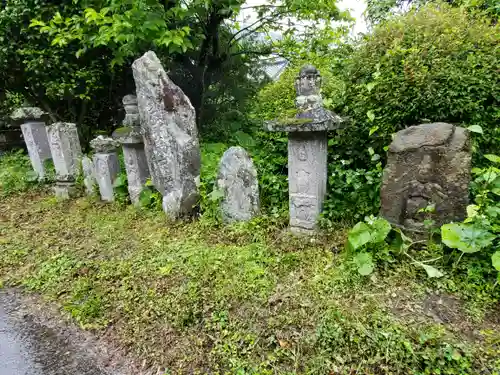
237 180
89 180
106 165
66 153
428 165
129 136
32 122
307 151
168 126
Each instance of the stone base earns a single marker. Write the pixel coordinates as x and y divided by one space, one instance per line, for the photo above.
65 190
303 231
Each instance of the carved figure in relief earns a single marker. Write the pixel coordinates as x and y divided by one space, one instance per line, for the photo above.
302 153
303 178
421 193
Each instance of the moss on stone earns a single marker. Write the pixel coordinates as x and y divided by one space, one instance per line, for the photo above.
122 131
295 121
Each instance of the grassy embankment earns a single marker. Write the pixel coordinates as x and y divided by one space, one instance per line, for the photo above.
193 297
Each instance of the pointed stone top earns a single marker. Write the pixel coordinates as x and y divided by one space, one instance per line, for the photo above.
103 144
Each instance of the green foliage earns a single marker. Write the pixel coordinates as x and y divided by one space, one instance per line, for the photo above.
51 76
379 10
150 198
16 173
212 57
480 231
435 63
241 299
373 235
376 345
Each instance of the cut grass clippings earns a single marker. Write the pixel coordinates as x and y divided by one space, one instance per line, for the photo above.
244 299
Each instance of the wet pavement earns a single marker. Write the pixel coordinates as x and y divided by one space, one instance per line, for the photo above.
29 348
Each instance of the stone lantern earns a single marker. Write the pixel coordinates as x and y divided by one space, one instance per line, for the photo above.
32 122
307 150
134 155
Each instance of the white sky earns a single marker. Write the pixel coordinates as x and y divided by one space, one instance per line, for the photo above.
356 7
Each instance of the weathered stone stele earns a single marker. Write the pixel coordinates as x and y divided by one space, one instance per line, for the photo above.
168 126
66 153
89 180
134 155
237 180
32 121
307 151
106 165
428 165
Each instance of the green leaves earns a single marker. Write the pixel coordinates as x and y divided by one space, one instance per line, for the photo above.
493 158
375 230
468 238
432 272
371 115
495 260
364 262
475 129
372 231
358 236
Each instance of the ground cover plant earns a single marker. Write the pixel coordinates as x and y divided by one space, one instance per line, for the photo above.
246 299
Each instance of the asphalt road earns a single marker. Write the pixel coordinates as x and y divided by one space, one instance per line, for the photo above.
28 348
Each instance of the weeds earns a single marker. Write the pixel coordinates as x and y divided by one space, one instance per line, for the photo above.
243 299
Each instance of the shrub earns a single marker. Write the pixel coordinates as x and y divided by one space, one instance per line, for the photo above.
437 63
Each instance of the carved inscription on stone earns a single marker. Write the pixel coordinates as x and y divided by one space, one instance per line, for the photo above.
428 167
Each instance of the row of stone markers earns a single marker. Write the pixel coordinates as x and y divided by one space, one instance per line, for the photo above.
428 164
159 141
60 143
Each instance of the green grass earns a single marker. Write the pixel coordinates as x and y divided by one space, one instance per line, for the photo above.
245 299
16 173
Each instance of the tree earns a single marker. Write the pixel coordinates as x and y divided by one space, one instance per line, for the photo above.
379 10
199 40
52 76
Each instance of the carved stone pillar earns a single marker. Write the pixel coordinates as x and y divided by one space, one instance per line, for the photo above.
307 151
134 155
66 154
32 122
106 165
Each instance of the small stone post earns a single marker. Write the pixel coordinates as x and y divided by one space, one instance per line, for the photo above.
106 165
32 121
89 180
66 154
134 155
307 151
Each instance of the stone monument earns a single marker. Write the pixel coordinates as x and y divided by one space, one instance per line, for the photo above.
66 154
307 150
237 180
32 121
168 126
134 156
106 165
428 165
89 180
